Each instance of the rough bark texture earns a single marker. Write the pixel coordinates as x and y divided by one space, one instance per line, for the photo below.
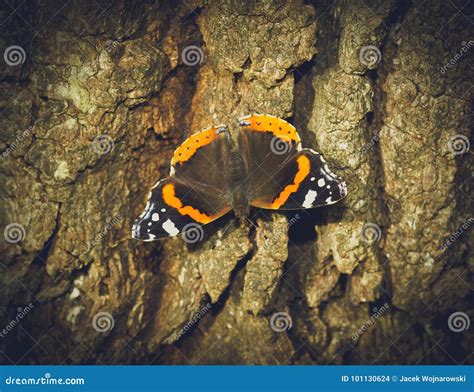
365 281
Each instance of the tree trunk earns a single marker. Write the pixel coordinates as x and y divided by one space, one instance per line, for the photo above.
100 95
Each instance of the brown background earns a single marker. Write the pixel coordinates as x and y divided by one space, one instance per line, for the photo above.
116 69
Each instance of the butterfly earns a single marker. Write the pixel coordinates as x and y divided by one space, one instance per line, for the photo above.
210 176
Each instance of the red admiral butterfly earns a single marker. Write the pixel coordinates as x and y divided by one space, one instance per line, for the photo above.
210 176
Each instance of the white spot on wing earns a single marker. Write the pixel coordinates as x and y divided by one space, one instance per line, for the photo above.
150 237
343 189
313 178
321 182
155 217
170 227
329 200
309 199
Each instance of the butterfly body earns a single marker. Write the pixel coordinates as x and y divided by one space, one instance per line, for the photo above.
237 184
211 176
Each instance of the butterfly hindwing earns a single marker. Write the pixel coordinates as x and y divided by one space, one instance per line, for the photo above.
304 181
173 208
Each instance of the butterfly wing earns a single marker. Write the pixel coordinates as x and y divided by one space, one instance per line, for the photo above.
266 143
200 159
192 196
173 208
281 174
305 181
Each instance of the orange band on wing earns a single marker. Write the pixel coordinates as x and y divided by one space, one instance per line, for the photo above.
189 147
169 197
301 174
275 125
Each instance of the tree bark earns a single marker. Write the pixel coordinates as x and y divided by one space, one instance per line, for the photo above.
106 92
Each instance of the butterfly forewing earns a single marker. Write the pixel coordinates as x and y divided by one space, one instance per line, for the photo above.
267 144
201 158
